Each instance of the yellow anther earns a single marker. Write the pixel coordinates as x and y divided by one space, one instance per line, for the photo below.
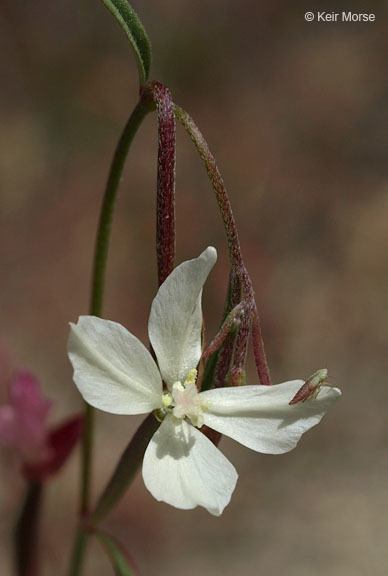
191 377
166 400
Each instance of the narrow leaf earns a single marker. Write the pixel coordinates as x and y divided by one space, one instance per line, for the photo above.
126 469
122 564
134 30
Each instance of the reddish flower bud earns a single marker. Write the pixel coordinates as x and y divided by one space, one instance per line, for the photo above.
61 442
23 422
24 429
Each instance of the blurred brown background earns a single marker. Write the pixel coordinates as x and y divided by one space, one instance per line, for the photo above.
296 114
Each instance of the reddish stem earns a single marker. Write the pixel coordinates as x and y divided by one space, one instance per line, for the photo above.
235 255
258 350
165 209
233 319
26 533
218 185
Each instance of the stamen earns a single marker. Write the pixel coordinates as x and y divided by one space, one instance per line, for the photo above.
191 377
184 401
166 400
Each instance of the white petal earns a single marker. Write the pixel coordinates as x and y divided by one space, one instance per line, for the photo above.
112 369
175 322
261 418
183 468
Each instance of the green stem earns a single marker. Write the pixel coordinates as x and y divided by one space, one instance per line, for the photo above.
78 552
144 106
100 258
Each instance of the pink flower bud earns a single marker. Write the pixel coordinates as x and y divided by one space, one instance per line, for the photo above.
23 422
24 429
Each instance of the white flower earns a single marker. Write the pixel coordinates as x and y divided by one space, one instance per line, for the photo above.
116 373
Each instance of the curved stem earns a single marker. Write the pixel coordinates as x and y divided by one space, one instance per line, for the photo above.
232 320
235 256
218 185
154 95
100 258
144 106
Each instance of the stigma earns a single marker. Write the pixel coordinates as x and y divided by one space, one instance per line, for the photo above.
184 401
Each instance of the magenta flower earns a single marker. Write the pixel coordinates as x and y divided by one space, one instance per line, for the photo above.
23 422
24 429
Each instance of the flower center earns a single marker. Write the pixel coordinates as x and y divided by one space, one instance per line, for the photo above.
185 401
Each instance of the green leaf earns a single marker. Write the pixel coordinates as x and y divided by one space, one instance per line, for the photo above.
121 562
126 469
210 372
134 30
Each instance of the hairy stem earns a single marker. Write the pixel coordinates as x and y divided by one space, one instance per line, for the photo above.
231 321
165 199
235 256
218 185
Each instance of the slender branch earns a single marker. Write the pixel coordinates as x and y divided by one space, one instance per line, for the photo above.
257 338
235 256
78 552
232 320
144 106
153 95
100 258
122 562
26 532
218 185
